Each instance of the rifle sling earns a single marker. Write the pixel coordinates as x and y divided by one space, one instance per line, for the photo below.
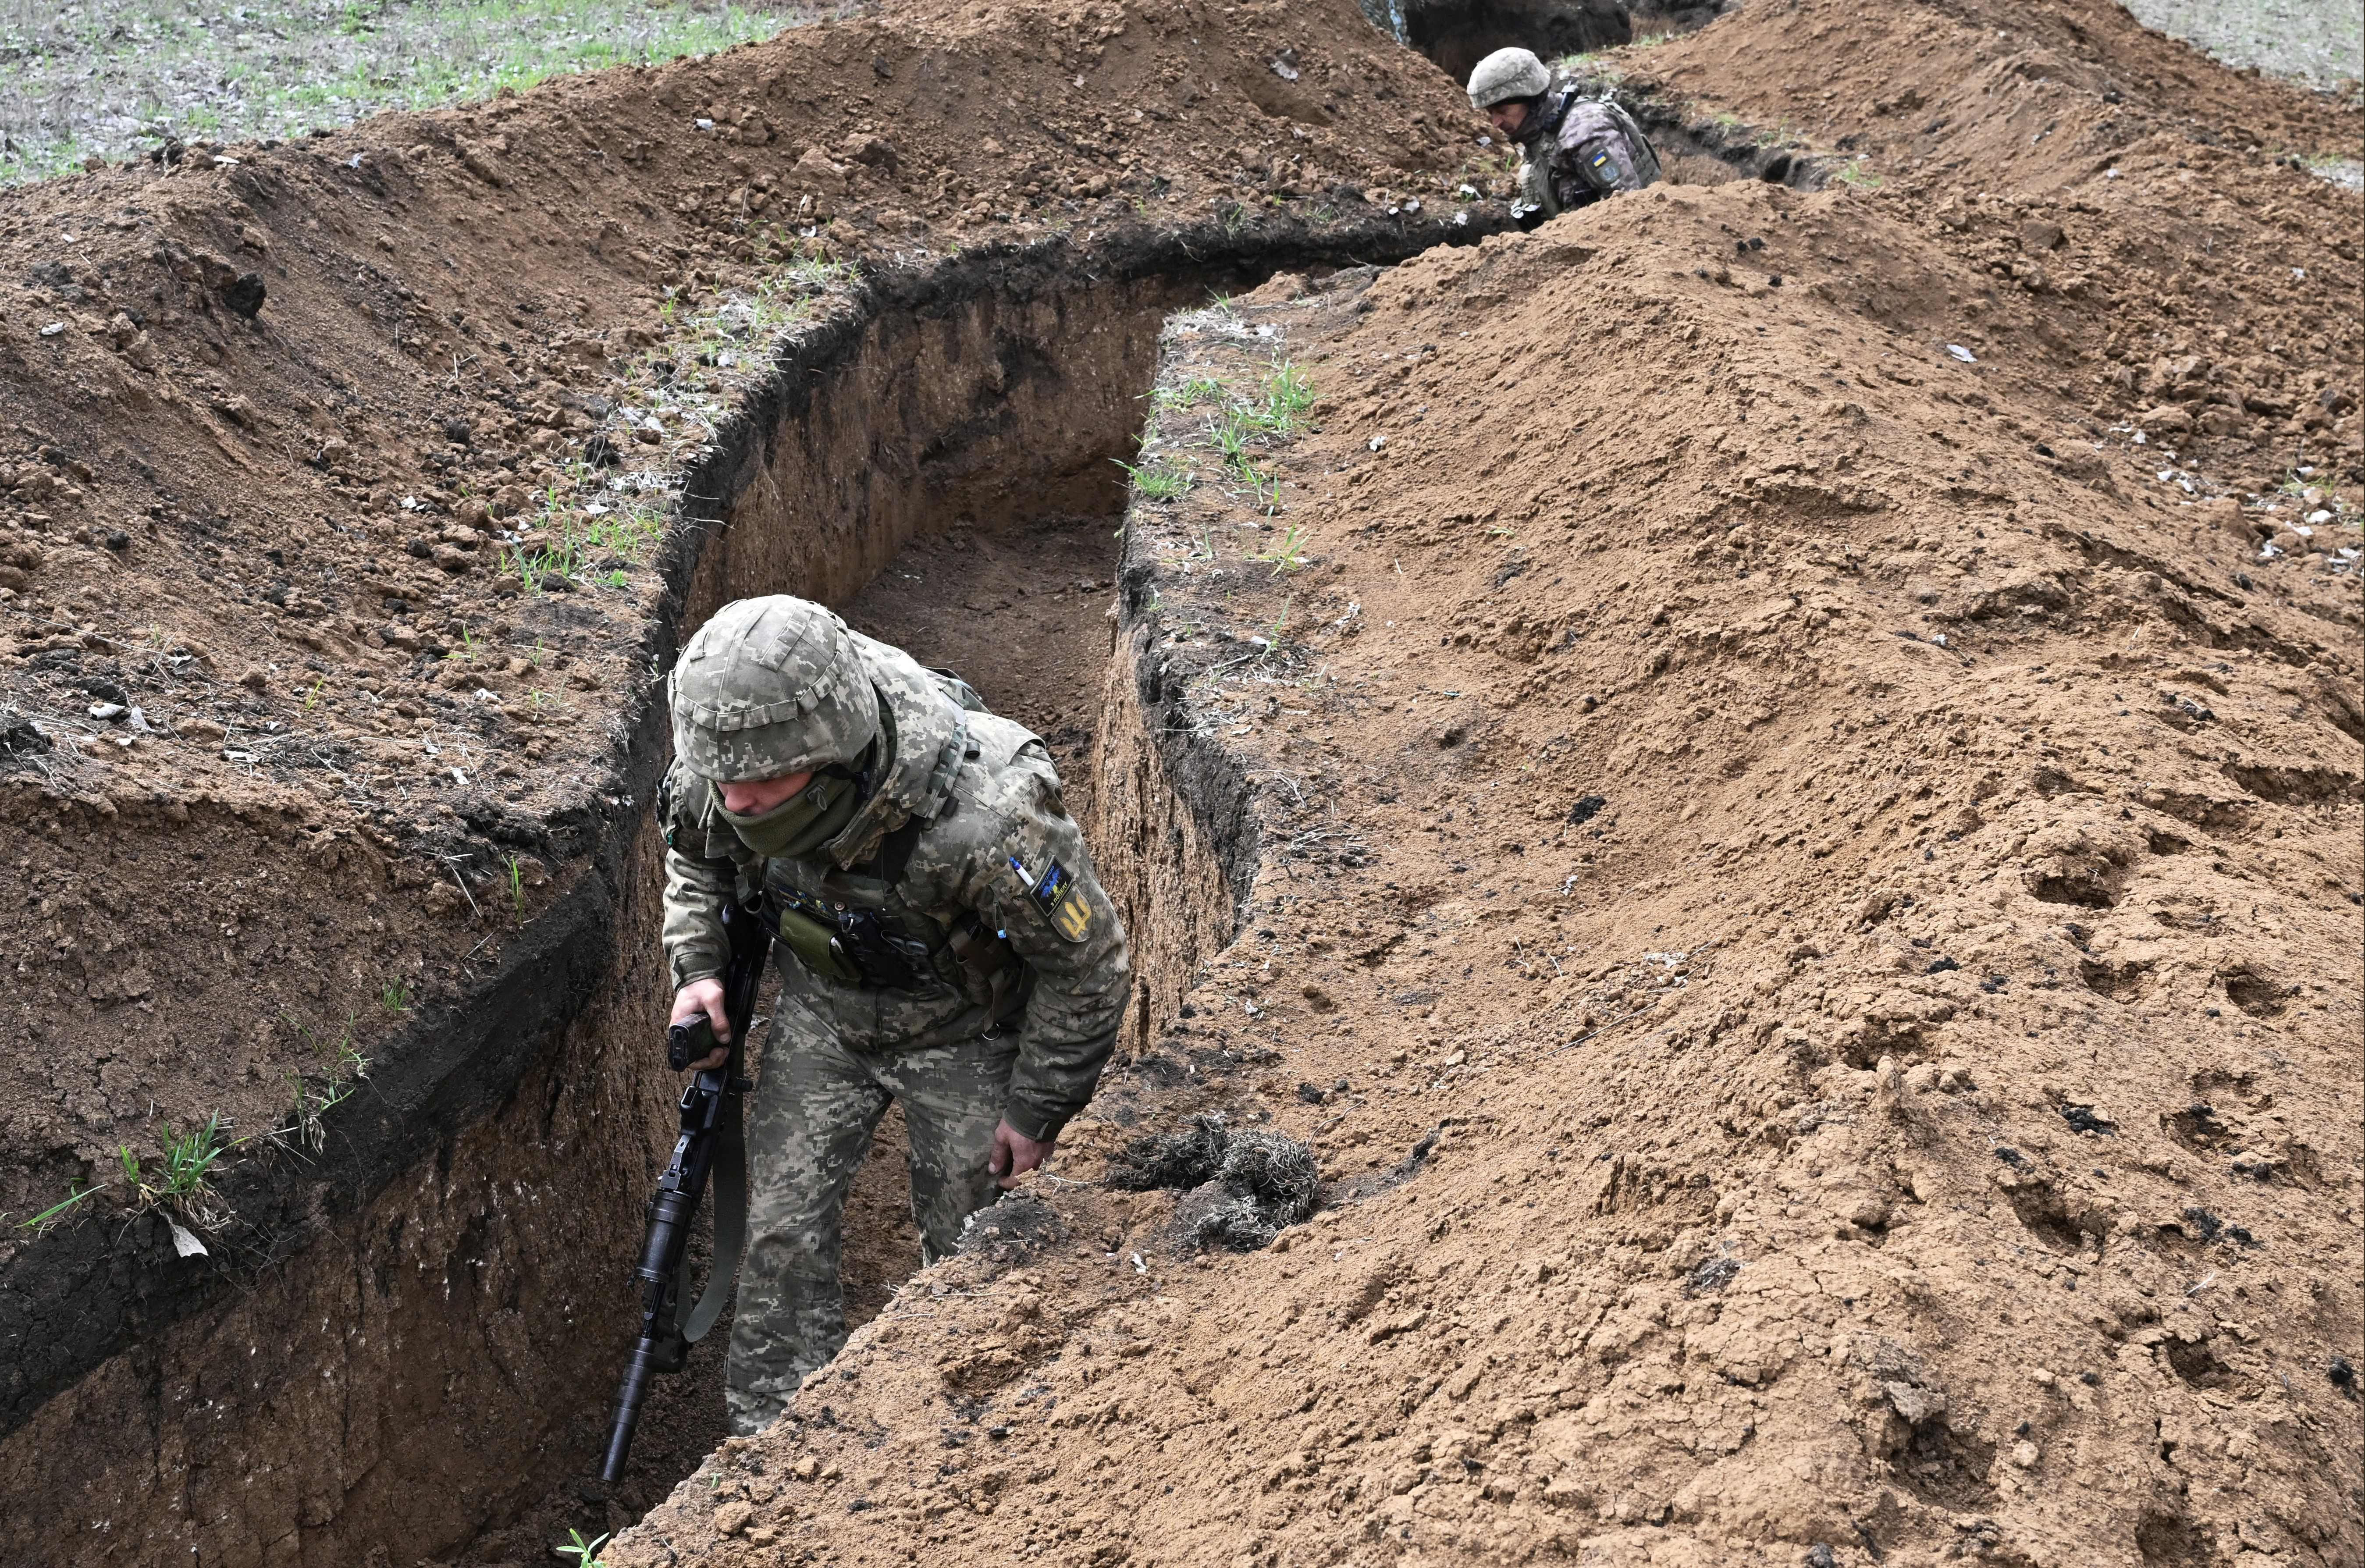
727 1176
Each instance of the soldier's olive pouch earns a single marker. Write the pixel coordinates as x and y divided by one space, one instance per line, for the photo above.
814 942
845 943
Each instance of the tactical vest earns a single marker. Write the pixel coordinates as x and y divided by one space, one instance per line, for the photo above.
1590 148
854 927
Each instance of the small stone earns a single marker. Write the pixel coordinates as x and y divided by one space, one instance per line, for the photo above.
733 1516
255 679
2037 235
2024 1454
202 730
806 1467
244 294
1914 1402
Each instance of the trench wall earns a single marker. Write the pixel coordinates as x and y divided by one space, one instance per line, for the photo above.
418 1370
414 1338
1174 838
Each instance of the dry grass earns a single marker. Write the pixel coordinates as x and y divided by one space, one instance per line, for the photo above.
109 78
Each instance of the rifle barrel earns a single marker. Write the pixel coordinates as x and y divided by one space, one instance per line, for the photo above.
629 1398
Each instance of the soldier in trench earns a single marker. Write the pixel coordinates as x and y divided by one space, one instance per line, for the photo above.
1575 151
943 942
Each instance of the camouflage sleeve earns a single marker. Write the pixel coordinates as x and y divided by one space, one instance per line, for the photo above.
1069 934
700 879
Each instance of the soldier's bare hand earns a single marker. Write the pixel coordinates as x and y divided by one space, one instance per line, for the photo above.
1014 1154
704 996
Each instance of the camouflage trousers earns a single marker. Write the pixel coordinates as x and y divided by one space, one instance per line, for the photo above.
817 1103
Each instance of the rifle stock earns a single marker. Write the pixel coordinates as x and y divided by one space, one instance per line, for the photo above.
710 1125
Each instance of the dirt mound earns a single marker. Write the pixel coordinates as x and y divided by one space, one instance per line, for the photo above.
1854 858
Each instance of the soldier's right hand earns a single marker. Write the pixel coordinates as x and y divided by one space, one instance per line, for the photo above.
704 996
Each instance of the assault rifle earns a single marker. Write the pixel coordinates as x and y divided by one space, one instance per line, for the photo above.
710 1144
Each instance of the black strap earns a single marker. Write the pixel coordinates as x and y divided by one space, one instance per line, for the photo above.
895 852
728 1177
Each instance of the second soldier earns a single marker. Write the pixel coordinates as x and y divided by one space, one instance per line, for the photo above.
1576 151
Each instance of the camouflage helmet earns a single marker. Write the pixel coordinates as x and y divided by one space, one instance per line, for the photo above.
1504 75
770 687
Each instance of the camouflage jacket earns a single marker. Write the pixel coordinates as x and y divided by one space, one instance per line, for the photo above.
966 855
1588 147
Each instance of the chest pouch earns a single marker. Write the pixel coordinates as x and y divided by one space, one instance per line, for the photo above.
849 947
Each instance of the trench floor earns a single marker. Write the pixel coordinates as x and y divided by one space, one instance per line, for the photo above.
1021 614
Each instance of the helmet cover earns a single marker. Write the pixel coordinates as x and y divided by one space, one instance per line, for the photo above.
770 687
1504 75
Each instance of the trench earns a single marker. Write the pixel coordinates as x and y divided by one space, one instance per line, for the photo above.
413 1359
1458 35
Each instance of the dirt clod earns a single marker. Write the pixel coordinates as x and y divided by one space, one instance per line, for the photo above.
1241 1188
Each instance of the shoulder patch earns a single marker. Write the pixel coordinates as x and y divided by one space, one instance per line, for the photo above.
1056 895
1073 917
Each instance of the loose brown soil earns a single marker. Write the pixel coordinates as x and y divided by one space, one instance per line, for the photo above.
1797 879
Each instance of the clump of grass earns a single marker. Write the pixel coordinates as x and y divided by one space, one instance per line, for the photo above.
347 1067
572 543
1234 428
1287 398
584 1553
110 80
1288 553
1190 394
183 1185
1155 481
